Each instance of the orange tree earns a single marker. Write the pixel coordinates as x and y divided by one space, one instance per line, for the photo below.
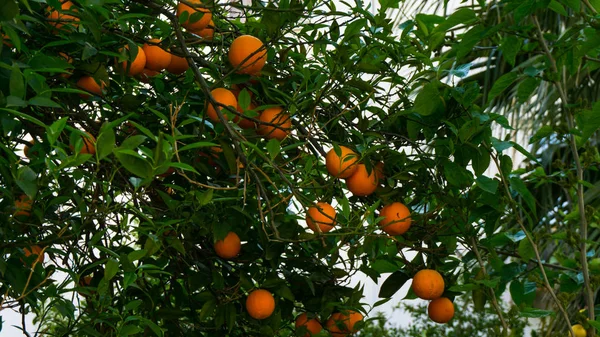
160 159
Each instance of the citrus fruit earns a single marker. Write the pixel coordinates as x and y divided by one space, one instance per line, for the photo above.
224 97
229 247
361 183
396 219
341 324
260 304
207 32
322 214
178 65
342 165
23 206
157 58
58 20
36 251
428 284
27 147
89 84
278 117
89 144
138 64
247 54
147 74
307 326
579 330
441 310
201 23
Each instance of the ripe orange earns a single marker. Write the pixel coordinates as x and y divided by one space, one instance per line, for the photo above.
26 148
178 65
396 219
36 251
198 25
247 54
89 84
147 74
342 166
23 206
229 247
157 58
310 326
138 65
341 324
89 144
206 33
428 284
58 20
68 59
223 96
322 214
441 310
278 117
260 304
361 183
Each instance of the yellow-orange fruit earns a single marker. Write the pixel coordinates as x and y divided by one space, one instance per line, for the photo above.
138 65
396 219
260 304
342 166
59 20
89 144
222 96
157 58
178 65
206 33
89 84
229 247
36 251
23 206
441 310
361 183
311 326
198 25
147 74
247 54
341 324
322 214
278 117
27 147
428 284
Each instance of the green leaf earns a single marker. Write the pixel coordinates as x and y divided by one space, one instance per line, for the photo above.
17 83
461 16
128 330
111 269
128 279
487 184
526 250
354 28
575 5
8 10
133 142
481 161
501 84
518 185
536 313
197 145
392 284
542 133
273 147
244 99
526 88
558 8
429 101
137 255
457 175
595 324
589 122
43 101
106 143
56 129
134 164
510 46
27 181
525 9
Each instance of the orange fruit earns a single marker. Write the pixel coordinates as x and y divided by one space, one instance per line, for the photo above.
310 326
361 183
23 206
68 59
85 281
244 123
222 96
178 65
26 148
89 84
89 144
58 20
322 214
229 247
260 304
428 284
342 166
396 219
36 251
198 25
207 32
147 74
341 324
157 58
278 117
138 65
441 310
247 54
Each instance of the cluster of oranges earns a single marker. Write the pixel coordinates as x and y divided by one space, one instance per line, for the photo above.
339 324
428 284
343 163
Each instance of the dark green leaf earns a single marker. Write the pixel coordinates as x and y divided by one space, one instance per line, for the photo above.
429 101
27 181
134 164
106 143
43 101
273 147
487 184
536 313
461 16
393 283
17 83
111 269
457 175
510 46
518 185
526 250
8 10
558 8
502 84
